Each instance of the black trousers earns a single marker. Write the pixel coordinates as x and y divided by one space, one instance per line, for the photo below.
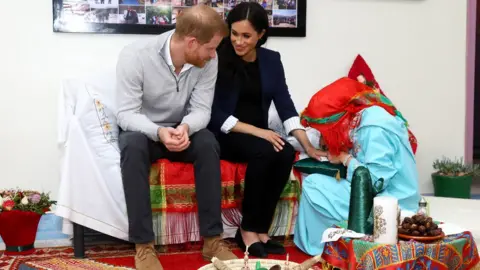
137 154
267 174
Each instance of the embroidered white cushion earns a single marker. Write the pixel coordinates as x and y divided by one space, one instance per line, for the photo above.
276 124
313 136
97 119
274 121
91 164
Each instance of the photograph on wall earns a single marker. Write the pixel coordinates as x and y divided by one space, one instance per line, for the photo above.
286 17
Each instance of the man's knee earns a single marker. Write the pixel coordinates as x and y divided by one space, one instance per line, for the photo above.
205 142
129 141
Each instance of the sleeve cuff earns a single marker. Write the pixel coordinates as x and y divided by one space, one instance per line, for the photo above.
191 128
229 124
153 132
291 124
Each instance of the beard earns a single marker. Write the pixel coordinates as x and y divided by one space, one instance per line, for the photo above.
195 59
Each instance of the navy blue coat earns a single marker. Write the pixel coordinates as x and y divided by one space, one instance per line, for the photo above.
274 88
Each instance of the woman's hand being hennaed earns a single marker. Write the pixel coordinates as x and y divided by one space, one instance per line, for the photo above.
274 138
341 158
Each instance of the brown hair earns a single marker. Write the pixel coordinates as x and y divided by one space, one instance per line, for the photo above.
201 22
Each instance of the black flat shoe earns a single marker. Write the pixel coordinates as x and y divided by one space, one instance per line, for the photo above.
256 249
272 247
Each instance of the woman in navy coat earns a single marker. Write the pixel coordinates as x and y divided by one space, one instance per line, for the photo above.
249 79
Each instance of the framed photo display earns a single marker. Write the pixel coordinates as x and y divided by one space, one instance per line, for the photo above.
287 17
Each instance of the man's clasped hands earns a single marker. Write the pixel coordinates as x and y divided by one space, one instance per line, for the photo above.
175 139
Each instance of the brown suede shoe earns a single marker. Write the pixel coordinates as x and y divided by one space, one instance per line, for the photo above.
146 257
216 247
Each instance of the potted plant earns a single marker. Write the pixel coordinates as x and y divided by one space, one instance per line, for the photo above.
20 213
453 178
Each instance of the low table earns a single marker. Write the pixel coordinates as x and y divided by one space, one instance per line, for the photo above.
453 252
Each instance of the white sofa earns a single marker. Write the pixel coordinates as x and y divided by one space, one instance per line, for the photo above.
91 190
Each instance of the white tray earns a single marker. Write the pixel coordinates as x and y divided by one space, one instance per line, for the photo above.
237 264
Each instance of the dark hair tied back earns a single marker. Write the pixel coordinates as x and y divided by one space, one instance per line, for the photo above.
253 12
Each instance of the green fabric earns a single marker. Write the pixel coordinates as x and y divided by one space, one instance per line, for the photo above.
363 247
364 98
361 201
311 166
327 120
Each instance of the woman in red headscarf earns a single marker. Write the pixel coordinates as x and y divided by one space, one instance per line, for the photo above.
359 127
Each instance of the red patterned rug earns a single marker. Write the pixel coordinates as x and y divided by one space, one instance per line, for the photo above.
112 257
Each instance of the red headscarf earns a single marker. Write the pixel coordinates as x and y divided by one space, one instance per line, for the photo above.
334 112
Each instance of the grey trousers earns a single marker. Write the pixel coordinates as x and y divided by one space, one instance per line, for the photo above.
138 153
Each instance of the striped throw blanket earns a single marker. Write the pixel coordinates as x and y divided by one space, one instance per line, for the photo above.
172 186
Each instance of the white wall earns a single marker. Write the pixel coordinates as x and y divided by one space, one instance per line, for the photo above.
416 48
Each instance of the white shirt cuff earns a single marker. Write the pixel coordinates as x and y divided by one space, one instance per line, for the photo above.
229 124
291 124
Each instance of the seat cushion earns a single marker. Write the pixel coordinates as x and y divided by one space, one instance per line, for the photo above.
172 186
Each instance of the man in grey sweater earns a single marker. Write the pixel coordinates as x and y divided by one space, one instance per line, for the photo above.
165 88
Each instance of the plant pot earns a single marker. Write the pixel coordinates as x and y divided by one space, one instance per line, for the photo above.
452 186
18 230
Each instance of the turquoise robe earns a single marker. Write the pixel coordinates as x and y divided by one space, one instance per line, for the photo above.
380 144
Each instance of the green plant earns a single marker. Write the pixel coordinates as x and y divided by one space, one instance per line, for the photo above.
454 167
